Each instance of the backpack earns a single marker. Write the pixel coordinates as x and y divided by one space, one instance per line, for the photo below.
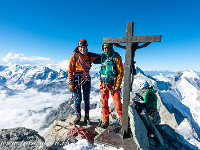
108 71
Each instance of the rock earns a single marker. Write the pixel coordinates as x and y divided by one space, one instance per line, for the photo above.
174 117
2 81
173 139
166 116
151 128
138 129
62 112
164 136
56 136
7 90
21 138
154 146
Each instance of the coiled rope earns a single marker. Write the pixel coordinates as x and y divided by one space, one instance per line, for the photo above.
85 133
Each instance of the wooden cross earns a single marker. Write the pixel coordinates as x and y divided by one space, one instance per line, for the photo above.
131 47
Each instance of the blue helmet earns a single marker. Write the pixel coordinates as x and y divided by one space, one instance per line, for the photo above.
146 84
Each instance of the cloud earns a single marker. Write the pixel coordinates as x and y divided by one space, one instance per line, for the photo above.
21 59
63 65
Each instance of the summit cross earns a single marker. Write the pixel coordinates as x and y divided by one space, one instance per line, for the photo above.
129 69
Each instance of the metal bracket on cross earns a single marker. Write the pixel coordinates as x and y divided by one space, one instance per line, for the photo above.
131 47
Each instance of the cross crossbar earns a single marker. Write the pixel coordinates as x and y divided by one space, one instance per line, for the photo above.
134 39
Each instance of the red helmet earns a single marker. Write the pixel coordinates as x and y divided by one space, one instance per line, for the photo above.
82 42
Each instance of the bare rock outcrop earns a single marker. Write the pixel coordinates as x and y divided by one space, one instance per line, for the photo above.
21 138
166 116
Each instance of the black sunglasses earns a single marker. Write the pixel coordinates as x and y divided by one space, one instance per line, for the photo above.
106 47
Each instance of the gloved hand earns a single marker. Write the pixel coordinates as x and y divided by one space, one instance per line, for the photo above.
71 86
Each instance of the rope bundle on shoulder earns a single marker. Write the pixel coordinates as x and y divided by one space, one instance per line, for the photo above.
85 66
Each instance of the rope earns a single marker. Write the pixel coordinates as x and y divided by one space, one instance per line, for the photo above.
83 132
86 67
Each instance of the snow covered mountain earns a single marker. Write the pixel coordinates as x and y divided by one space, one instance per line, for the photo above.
29 94
180 98
30 76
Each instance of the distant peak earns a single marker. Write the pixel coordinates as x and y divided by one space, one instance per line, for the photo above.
190 74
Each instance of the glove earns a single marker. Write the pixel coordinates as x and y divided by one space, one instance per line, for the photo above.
71 86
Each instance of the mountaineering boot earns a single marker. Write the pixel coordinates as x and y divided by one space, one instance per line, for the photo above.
86 119
78 118
105 125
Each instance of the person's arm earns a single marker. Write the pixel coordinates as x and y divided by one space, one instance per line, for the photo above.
95 58
71 70
120 72
139 96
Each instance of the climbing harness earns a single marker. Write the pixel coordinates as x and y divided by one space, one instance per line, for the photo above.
85 75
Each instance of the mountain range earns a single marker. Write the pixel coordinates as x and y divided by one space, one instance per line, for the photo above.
29 94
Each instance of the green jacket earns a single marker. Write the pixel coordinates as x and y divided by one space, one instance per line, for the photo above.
147 96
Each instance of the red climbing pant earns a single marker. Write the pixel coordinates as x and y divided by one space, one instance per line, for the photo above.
104 89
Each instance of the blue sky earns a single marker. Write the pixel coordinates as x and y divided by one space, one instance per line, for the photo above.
52 29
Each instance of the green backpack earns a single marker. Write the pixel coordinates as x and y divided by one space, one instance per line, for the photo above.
108 71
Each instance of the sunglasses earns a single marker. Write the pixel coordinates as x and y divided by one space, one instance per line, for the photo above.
106 47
